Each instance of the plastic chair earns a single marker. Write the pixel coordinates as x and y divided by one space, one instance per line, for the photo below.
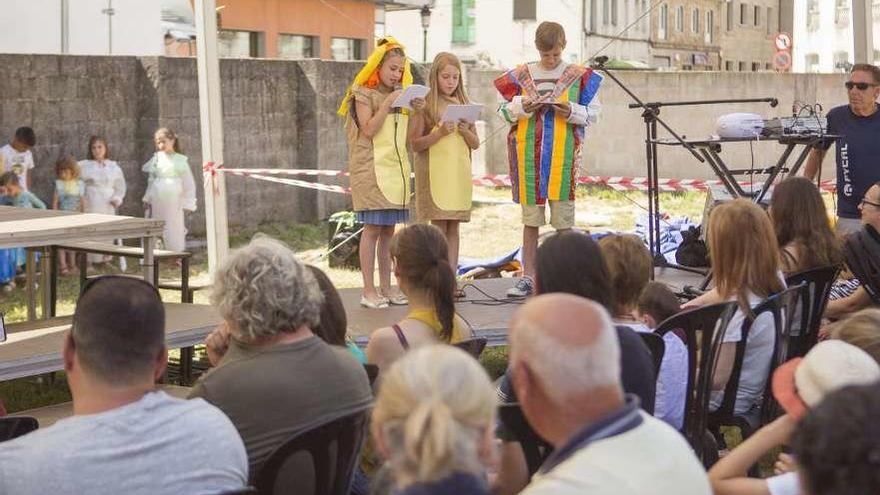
535 448
703 329
657 346
819 282
372 372
783 307
15 426
474 346
324 456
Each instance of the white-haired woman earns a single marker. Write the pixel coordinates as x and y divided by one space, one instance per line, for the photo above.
433 422
273 376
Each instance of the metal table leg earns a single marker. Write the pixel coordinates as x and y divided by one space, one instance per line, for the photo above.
30 270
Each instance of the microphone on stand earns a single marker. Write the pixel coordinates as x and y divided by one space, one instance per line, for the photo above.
397 87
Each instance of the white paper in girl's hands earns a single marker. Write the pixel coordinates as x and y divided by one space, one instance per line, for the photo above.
457 113
409 94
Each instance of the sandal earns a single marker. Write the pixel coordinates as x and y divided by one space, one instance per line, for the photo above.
397 300
382 303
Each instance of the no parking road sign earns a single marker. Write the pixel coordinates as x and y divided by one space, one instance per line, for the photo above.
782 60
782 41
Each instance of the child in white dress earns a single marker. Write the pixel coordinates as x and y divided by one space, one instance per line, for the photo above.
170 190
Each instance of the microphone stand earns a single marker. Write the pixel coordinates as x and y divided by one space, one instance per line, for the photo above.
651 117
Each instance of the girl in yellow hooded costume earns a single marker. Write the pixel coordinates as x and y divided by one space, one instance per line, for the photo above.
379 168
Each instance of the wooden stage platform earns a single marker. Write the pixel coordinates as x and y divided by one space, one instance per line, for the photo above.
34 348
488 312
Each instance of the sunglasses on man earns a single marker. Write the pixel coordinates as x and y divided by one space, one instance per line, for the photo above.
860 85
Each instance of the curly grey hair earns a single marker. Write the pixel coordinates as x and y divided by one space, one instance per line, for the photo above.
265 290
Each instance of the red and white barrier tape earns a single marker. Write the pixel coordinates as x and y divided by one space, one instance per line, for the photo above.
616 183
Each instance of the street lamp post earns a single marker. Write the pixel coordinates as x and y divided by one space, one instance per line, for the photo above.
426 22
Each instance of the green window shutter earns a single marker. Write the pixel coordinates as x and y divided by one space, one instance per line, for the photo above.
464 26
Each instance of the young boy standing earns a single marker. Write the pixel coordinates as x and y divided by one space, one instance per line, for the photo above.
548 104
17 157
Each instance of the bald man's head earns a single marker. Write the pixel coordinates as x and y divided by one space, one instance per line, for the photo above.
568 344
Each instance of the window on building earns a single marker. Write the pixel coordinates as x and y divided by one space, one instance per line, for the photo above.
771 22
464 25
730 16
695 20
757 17
240 44
742 66
729 66
663 22
841 61
297 46
841 13
709 36
768 66
613 12
679 18
811 62
347 49
606 12
743 13
813 15
756 66
379 26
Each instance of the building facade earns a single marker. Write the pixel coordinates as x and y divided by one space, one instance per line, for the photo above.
684 35
501 33
747 34
81 27
823 35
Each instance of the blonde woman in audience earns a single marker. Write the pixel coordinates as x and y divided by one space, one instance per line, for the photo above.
421 265
862 330
746 268
433 423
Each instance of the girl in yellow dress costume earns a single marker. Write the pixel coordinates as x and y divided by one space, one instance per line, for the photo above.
443 154
379 168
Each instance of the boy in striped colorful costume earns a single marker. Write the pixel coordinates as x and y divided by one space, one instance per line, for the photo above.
548 104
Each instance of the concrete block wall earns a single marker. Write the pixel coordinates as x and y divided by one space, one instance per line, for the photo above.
282 114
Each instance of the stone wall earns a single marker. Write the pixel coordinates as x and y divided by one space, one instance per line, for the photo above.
281 114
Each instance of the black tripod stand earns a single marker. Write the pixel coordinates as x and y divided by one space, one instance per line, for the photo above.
651 117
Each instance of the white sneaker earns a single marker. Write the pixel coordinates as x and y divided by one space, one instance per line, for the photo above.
525 287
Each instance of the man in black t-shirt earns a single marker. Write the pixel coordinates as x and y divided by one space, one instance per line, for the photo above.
858 148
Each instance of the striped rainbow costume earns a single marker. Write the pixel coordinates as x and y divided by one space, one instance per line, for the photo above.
544 148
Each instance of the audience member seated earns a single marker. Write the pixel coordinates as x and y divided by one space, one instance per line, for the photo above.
745 269
802 228
421 266
125 436
433 423
333 328
273 377
861 248
630 266
565 364
861 329
571 262
656 304
798 385
837 444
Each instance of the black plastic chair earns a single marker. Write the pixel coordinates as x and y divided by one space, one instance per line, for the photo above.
15 426
703 329
782 307
535 448
657 346
326 456
819 282
247 490
372 372
474 346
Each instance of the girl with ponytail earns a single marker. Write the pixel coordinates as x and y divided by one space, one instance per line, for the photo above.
433 422
421 265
